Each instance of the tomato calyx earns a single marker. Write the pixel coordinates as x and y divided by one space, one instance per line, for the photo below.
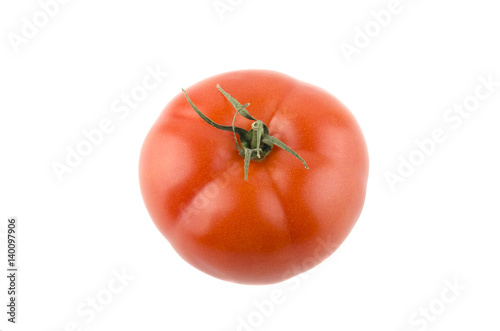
256 143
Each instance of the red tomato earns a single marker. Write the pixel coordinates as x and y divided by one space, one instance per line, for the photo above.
284 219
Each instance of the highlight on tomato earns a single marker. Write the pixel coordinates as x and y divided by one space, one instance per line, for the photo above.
254 176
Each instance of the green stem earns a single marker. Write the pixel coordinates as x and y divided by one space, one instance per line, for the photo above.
256 144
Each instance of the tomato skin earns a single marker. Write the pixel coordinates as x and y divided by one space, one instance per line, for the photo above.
284 219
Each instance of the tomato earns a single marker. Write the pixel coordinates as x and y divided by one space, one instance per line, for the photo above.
267 218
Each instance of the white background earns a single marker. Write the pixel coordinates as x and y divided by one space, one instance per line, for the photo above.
438 227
